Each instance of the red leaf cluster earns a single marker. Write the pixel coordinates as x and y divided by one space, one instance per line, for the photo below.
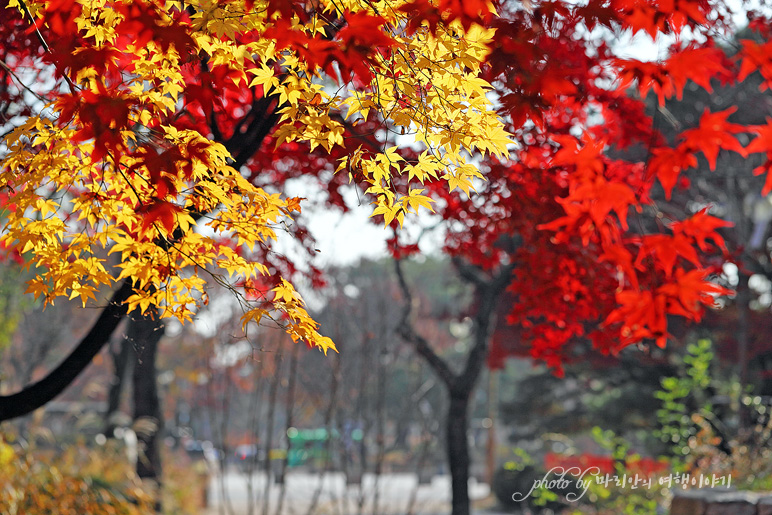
468 12
352 49
161 212
98 115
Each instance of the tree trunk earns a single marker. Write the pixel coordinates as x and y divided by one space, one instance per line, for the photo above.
458 452
459 386
123 360
143 333
38 394
742 301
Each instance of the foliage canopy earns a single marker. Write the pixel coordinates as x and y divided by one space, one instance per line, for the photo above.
164 133
121 156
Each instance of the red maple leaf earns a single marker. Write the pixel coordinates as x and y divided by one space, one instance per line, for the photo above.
159 211
467 11
143 23
666 249
756 57
702 226
161 166
763 144
102 115
690 292
315 51
642 315
649 76
359 39
59 17
100 59
713 133
421 11
667 163
699 65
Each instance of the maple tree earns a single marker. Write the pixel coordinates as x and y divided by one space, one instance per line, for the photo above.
122 155
572 204
164 134
590 260
737 192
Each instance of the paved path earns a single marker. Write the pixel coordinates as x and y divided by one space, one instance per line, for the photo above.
393 494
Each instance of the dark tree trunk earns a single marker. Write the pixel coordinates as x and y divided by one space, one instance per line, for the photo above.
143 334
38 394
123 360
742 301
458 452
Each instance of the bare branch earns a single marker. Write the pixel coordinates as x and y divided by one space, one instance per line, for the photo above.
470 273
8 69
409 334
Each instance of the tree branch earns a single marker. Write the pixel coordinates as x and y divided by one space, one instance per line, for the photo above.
409 334
38 394
488 293
470 273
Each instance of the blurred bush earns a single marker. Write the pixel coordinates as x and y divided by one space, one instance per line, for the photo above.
185 483
46 478
517 479
712 430
715 428
77 479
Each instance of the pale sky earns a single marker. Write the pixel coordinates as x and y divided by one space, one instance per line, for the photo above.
346 238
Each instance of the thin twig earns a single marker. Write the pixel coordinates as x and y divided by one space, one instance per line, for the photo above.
43 42
7 68
32 21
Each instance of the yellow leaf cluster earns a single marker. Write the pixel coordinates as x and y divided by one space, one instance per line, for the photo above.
73 207
298 324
